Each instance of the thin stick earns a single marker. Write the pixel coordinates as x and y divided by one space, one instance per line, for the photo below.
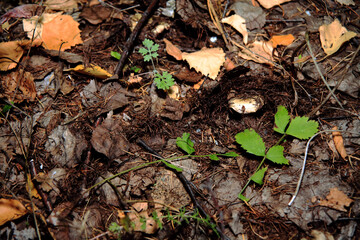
130 42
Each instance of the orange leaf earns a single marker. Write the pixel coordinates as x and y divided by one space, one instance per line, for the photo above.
271 3
207 61
93 70
332 36
172 50
63 31
11 209
229 65
282 40
339 143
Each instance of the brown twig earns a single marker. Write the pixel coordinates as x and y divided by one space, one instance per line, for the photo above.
130 42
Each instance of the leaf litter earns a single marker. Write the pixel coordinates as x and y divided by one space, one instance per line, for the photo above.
79 129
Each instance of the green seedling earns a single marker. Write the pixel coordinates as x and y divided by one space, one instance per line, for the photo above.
163 81
116 229
117 56
251 141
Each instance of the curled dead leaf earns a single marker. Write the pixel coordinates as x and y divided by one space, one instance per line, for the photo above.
239 23
339 143
172 50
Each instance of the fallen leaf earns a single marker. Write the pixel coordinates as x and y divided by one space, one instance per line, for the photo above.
337 200
93 70
11 209
134 78
229 65
332 36
34 23
271 3
21 80
23 11
62 5
339 143
284 40
141 220
259 51
30 187
207 61
172 50
239 23
346 2
61 33
11 53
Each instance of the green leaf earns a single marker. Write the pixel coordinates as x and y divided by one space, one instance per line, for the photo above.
148 43
302 128
229 154
259 176
115 55
147 58
251 142
143 223
157 220
172 166
154 48
214 157
276 155
242 197
114 227
6 108
164 81
135 69
281 119
185 143
143 51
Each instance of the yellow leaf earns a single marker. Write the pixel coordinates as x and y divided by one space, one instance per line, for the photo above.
207 61
93 70
31 188
239 24
332 36
11 209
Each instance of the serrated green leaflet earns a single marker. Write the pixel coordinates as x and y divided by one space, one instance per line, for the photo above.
281 119
259 176
276 155
185 143
242 197
251 142
302 128
164 81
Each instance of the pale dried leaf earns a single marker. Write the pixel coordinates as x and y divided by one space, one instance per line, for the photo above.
337 200
259 51
346 2
172 50
62 5
271 3
239 24
332 36
207 61
339 143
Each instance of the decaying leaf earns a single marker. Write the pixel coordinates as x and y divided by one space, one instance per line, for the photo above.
332 36
284 40
339 143
23 11
142 220
260 51
62 5
271 3
207 61
346 2
172 50
337 200
239 23
11 209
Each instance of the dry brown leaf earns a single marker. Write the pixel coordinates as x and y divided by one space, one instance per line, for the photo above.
24 81
260 51
271 3
30 187
339 143
284 40
229 65
172 50
142 217
332 36
93 70
62 32
207 61
346 2
239 23
11 209
61 5
134 78
337 200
